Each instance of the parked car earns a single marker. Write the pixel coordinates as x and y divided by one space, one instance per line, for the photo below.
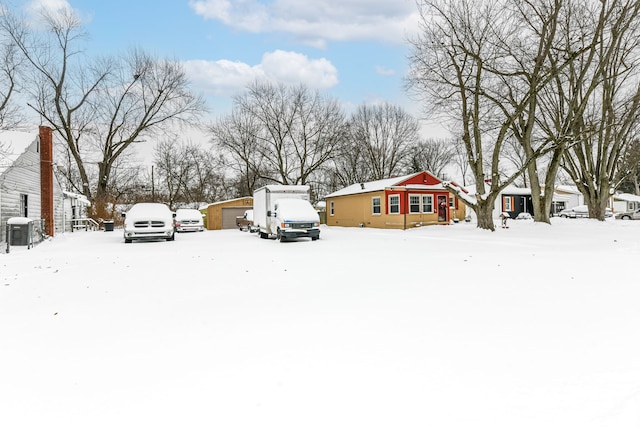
524 215
148 221
245 222
581 211
188 220
629 215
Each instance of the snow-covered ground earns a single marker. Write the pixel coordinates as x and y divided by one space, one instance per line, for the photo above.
443 326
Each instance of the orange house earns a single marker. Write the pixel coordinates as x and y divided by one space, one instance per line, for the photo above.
403 202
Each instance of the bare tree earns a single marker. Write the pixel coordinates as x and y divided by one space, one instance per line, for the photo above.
237 136
11 67
207 182
630 168
609 120
290 131
383 134
188 175
461 161
433 155
590 111
483 63
144 97
100 108
348 166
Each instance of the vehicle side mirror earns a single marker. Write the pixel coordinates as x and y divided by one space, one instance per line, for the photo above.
123 214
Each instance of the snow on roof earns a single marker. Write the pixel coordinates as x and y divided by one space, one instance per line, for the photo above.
568 189
79 197
12 145
367 187
225 201
512 189
627 197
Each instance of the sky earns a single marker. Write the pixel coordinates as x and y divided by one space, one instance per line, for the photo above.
353 50
449 326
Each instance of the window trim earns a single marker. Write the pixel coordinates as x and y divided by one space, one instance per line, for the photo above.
331 208
24 205
391 205
507 203
373 212
419 204
422 204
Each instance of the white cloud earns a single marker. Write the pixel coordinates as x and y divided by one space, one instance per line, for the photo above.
36 8
316 22
384 71
228 78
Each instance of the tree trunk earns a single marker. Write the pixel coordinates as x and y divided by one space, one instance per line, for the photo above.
484 214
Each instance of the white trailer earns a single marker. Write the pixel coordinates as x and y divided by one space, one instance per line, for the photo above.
284 211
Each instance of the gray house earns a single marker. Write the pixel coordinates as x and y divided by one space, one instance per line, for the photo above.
28 186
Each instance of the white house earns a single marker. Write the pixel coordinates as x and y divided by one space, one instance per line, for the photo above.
28 187
625 202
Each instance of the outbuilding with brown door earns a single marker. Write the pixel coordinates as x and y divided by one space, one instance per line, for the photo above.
222 215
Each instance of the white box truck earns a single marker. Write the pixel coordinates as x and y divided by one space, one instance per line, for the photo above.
284 211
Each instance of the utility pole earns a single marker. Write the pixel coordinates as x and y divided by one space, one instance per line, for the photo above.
153 186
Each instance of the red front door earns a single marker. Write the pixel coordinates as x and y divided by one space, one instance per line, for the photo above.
443 211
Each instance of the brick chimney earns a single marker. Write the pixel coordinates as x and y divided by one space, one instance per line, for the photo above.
46 178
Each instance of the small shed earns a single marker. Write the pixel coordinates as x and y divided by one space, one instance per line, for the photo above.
222 215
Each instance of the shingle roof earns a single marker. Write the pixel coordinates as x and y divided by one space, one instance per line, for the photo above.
367 187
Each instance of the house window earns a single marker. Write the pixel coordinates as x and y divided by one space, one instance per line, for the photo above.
414 203
452 202
506 202
375 205
394 204
24 205
427 203
331 209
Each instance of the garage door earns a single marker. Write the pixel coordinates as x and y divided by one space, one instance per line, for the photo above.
229 216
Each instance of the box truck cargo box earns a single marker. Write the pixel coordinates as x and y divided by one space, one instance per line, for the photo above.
284 212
